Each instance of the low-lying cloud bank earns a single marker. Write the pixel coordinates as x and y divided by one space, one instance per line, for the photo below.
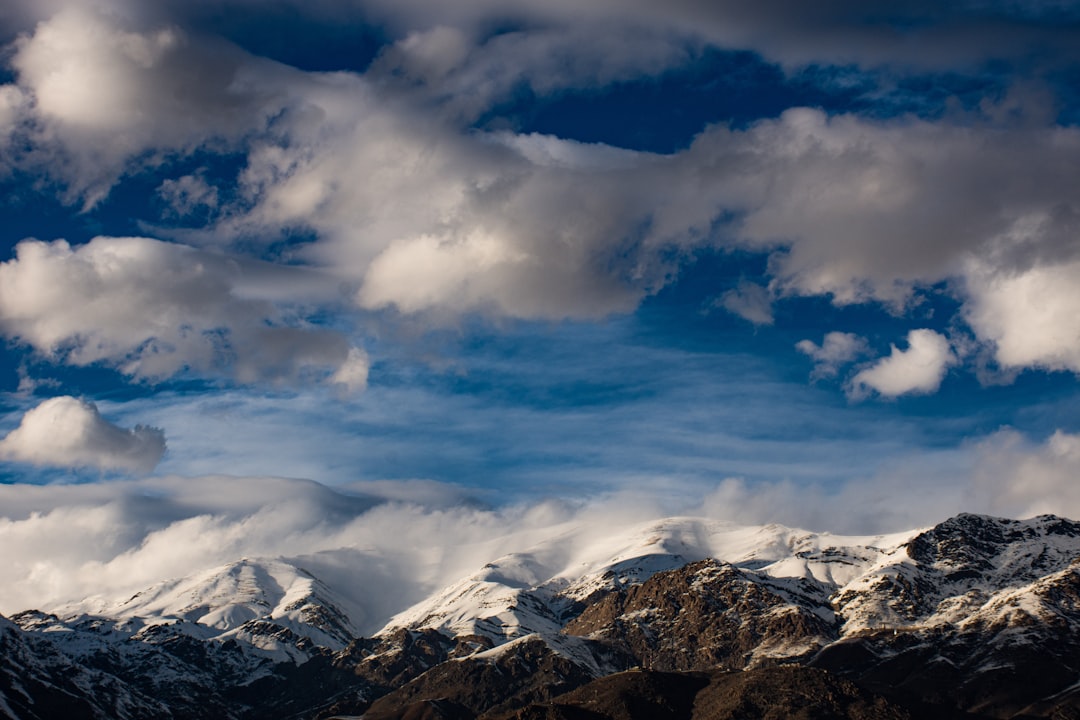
64 543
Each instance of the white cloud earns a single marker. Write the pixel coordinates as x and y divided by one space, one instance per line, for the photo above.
836 349
67 432
153 309
749 301
1004 474
69 543
534 226
1018 478
105 95
415 211
917 370
432 221
1030 316
868 210
72 542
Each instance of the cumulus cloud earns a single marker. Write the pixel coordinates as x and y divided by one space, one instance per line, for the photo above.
917 370
836 350
433 221
153 309
1031 317
869 210
414 210
68 432
853 208
864 209
105 96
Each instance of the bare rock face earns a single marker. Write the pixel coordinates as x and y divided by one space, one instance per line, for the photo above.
528 672
776 693
633 695
705 615
398 657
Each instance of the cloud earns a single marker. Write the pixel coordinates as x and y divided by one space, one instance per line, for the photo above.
352 374
917 370
107 540
869 210
154 309
918 35
1004 474
65 544
858 203
429 220
467 73
67 432
416 211
836 349
188 193
534 226
1016 477
108 98
1031 317
749 301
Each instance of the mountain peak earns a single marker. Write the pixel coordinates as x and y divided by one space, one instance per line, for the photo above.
964 597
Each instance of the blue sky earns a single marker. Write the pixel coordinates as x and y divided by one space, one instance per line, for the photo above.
781 257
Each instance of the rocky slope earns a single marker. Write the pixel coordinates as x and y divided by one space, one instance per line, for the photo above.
976 615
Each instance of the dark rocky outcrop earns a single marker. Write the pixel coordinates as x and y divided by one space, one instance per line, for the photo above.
705 615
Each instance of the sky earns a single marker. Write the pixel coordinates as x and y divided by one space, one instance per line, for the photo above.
273 272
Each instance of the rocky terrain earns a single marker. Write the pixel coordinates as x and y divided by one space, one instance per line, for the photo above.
682 618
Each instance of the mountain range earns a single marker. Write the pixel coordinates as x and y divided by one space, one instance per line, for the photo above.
977 617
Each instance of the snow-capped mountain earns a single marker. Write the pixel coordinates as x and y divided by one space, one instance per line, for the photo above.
206 640
537 590
238 601
976 614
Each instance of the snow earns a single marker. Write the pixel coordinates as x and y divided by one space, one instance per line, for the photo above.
495 601
270 605
276 611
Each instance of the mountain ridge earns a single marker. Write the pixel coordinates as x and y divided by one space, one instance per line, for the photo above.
941 617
